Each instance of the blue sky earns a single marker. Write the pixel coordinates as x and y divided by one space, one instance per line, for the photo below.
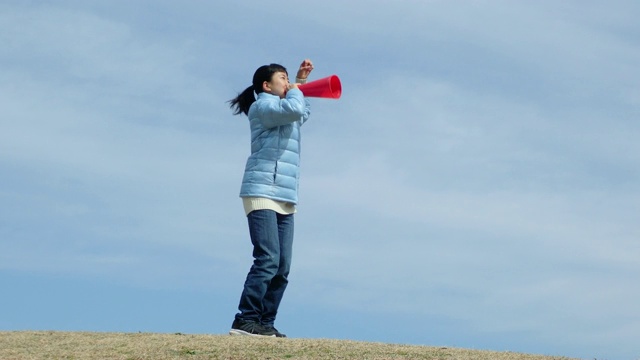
476 186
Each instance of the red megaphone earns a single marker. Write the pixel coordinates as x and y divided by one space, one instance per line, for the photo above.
329 87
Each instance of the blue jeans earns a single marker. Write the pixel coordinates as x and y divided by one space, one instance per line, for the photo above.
272 239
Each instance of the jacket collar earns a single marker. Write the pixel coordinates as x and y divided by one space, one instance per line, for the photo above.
265 95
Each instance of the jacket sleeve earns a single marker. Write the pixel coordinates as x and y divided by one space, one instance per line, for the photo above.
294 107
307 111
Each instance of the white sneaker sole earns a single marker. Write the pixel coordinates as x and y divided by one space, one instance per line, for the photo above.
238 332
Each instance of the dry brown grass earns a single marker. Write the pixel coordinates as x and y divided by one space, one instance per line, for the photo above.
85 345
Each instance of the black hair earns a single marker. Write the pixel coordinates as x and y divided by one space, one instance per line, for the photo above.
242 102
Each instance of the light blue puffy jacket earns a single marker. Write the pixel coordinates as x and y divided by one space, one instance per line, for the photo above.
272 170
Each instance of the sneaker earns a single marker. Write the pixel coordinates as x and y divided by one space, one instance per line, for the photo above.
275 331
249 328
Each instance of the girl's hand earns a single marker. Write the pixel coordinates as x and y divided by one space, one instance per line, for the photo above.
305 69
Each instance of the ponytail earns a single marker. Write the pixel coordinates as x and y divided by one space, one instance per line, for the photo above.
241 103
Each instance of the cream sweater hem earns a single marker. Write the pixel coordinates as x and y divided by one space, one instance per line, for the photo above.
258 203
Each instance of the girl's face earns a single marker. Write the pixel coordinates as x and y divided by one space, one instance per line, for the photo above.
278 85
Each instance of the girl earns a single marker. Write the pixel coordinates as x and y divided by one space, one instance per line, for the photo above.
269 190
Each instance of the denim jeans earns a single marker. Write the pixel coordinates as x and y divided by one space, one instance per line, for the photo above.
272 239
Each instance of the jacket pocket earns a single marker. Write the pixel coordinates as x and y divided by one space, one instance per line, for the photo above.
275 172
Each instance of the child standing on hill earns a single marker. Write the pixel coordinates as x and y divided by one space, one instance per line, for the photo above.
269 190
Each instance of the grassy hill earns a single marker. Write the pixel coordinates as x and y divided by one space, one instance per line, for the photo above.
138 346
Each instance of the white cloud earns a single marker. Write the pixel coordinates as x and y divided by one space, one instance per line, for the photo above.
477 206
110 135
